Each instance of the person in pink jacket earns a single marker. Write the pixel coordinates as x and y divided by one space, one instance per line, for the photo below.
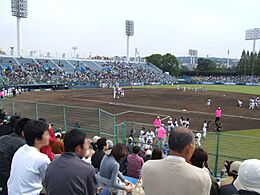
218 114
157 122
162 134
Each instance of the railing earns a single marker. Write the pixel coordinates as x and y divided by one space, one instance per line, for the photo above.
219 146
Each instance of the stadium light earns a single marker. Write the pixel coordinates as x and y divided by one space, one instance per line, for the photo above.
253 34
129 31
19 9
74 48
193 54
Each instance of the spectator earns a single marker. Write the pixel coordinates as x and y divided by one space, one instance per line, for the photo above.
134 163
146 153
248 180
109 147
47 149
109 170
94 142
100 153
4 129
200 159
79 175
157 154
227 180
9 144
174 173
58 146
13 120
29 165
230 188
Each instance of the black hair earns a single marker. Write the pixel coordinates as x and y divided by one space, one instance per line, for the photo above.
157 154
199 158
13 120
101 143
180 138
136 149
42 119
34 129
74 138
19 126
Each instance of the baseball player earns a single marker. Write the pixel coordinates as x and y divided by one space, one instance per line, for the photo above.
204 129
170 124
240 103
198 138
209 102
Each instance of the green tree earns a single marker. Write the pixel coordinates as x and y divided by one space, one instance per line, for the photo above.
205 64
252 63
167 63
257 65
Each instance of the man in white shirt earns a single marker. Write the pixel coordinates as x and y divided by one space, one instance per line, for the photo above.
29 165
174 175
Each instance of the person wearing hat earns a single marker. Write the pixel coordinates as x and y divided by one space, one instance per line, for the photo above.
248 180
230 188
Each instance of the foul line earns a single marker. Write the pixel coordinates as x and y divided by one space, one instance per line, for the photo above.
159 108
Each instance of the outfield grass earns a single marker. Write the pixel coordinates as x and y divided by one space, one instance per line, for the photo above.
233 145
255 90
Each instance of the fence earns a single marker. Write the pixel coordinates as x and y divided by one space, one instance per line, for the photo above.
220 146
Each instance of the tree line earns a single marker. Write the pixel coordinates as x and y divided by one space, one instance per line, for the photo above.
249 64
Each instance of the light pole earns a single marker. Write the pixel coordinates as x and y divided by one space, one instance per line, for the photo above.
129 31
253 34
19 9
228 59
12 50
74 48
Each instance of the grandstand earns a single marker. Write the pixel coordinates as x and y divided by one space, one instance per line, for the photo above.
46 70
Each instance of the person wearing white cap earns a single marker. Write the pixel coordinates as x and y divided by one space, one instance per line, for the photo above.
230 188
248 180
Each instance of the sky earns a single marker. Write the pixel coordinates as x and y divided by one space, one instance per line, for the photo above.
161 26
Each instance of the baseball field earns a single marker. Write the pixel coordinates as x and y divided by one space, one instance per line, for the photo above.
240 136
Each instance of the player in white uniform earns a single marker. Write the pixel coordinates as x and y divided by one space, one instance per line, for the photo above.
257 102
209 102
141 137
198 138
149 137
252 104
175 123
122 93
170 124
114 93
240 103
204 129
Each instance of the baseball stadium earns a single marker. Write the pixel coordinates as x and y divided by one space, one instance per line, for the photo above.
181 106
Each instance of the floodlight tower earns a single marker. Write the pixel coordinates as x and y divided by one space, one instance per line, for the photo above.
228 59
19 9
193 54
74 49
129 31
253 34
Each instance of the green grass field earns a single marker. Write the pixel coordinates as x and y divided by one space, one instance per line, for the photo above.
255 90
233 145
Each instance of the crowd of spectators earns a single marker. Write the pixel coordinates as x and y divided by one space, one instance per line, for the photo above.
111 73
36 159
227 79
